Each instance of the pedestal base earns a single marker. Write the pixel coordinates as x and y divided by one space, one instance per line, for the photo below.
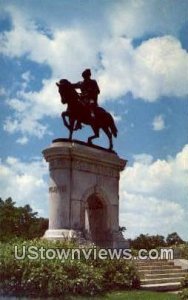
84 194
117 239
63 234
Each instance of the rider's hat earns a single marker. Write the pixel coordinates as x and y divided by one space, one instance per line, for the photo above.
86 73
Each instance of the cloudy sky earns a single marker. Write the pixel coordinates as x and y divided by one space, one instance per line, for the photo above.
137 51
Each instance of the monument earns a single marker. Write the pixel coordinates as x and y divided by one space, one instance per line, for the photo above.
84 179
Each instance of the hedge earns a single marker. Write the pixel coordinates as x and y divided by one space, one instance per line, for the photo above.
44 277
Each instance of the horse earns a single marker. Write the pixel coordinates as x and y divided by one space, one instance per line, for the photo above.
77 111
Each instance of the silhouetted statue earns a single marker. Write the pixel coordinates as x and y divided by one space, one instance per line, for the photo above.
80 110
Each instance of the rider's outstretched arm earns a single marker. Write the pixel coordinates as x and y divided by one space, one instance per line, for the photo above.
76 85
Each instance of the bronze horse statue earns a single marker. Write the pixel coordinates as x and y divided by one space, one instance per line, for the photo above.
77 111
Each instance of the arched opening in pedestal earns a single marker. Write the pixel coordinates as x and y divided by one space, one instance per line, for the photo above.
96 220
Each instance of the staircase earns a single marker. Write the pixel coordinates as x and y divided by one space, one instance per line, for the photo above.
160 275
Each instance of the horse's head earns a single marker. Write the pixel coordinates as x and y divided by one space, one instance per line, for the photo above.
64 87
67 92
63 83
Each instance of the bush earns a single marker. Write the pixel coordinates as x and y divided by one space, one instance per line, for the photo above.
184 282
54 277
118 274
181 251
184 294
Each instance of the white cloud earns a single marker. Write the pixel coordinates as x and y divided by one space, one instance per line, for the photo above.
135 18
22 141
158 67
67 53
143 158
25 125
153 195
24 182
31 107
152 215
26 77
158 123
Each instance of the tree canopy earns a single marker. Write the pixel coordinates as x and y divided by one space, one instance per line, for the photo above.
19 221
146 241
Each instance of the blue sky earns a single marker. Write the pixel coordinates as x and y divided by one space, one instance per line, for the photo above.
137 51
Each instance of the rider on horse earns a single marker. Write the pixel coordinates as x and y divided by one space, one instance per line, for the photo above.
89 93
78 113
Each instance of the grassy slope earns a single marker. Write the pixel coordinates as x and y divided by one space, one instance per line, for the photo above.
133 295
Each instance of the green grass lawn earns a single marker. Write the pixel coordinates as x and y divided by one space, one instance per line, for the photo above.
133 295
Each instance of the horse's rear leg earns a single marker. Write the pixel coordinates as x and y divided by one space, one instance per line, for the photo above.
109 135
96 135
70 134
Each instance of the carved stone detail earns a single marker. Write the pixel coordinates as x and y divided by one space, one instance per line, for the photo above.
59 164
85 166
95 168
58 189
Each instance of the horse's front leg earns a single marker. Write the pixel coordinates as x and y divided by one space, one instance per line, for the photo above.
64 115
71 127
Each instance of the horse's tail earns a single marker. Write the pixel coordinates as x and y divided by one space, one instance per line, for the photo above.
113 127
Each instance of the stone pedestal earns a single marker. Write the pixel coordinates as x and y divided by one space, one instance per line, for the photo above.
84 193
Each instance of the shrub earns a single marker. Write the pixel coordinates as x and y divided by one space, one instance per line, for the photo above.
184 282
42 277
118 274
184 294
181 251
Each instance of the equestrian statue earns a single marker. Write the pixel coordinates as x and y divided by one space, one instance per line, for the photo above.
83 108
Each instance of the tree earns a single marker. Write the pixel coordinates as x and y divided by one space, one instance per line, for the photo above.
122 229
19 221
148 241
174 239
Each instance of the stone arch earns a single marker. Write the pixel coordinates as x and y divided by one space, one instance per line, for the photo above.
96 215
98 190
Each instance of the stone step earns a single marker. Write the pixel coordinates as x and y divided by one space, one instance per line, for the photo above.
162 271
149 259
162 286
160 280
159 263
154 262
149 267
158 276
